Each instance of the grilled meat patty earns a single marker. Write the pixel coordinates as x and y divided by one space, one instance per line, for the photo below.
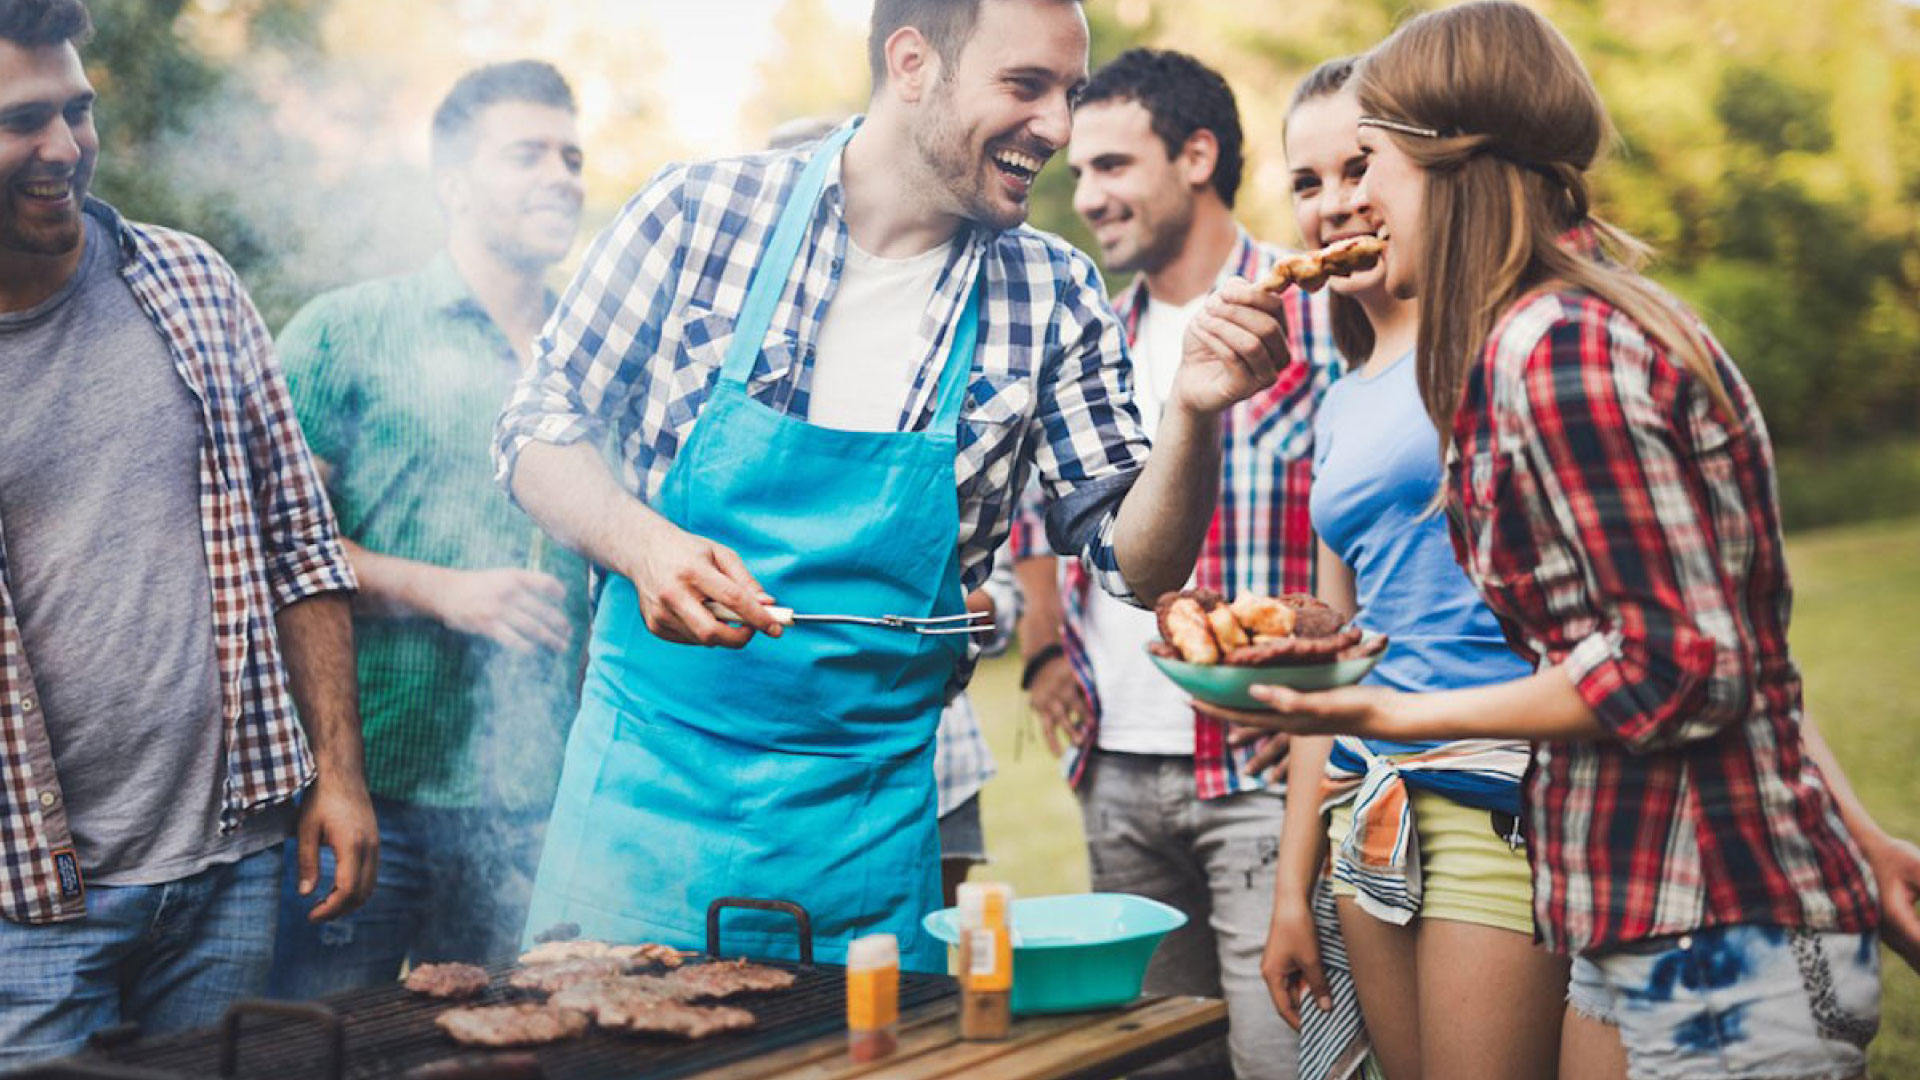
512 1025
650 1003
725 978
447 980
546 978
635 955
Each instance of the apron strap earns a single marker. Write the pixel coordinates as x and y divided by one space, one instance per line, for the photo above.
957 374
770 277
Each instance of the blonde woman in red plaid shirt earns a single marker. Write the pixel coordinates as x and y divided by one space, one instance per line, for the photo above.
1610 488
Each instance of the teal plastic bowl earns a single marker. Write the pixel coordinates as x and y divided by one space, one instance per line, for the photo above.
1230 687
1077 952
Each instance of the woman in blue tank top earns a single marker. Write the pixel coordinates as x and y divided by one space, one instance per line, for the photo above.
1430 878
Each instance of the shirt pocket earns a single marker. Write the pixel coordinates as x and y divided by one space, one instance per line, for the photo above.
706 336
993 426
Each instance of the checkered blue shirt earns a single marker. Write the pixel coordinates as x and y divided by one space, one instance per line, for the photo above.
270 540
634 348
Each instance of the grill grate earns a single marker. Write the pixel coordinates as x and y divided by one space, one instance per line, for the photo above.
390 1030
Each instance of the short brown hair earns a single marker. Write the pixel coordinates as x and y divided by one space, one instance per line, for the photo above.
946 24
35 24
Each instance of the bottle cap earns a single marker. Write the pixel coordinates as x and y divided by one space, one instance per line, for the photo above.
976 904
874 951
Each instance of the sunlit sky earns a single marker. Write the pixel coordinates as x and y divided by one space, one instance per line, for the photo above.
711 48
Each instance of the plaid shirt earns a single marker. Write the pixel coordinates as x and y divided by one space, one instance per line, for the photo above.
638 340
962 761
270 541
1621 530
1261 538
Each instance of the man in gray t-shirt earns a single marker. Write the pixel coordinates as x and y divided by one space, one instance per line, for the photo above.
175 657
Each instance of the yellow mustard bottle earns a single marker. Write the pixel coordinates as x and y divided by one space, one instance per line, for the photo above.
873 997
986 960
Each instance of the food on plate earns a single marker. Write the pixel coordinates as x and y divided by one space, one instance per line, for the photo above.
553 976
447 980
1282 651
1226 629
652 1004
1264 616
1183 623
725 978
512 1025
1338 259
1255 630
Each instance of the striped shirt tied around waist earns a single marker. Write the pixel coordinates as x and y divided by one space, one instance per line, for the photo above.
1380 856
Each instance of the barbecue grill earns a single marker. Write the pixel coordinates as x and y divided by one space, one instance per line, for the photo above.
388 1032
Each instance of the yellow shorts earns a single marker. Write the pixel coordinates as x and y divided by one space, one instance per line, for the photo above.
1466 872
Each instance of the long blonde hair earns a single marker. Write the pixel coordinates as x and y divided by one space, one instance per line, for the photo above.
1490 100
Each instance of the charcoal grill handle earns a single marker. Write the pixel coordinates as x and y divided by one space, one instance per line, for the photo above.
803 923
325 1018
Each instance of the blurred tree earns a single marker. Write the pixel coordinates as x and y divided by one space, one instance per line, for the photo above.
817 68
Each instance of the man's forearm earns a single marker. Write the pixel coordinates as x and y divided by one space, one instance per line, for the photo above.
1039 581
1164 519
574 497
392 586
316 643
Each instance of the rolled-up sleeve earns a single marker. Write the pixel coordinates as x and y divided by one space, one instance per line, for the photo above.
301 541
1092 445
590 360
1603 469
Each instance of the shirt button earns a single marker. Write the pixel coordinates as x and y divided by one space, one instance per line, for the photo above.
27 705
47 798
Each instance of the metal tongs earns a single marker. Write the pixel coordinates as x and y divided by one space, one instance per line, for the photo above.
973 622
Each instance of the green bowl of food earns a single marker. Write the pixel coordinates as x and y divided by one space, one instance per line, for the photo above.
1230 686
1077 952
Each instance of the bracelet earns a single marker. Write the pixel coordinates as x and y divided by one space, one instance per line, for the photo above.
1048 654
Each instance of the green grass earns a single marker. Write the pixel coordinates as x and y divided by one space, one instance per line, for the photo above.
1874 482
1858 589
1858 593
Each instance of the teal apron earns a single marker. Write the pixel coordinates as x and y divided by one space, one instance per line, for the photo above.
798 768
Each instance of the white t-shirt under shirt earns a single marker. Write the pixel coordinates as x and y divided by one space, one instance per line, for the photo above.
1141 711
862 365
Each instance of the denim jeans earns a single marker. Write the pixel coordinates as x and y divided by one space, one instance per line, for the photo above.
167 957
1149 833
454 886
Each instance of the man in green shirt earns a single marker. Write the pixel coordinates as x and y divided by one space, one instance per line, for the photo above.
470 626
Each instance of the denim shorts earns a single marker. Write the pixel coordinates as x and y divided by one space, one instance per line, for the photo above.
960 833
1754 1002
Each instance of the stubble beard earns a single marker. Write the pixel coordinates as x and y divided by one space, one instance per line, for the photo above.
957 169
1165 236
50 240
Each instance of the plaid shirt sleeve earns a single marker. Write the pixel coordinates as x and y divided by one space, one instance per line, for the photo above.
1600 445
592 360
1092 445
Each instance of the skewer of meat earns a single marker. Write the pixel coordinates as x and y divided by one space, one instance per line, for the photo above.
1311 270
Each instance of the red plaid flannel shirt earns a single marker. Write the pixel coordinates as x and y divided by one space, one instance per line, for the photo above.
1261 538
270 540
1620 528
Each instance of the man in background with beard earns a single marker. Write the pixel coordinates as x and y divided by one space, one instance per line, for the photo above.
829 373
1171 810
470 626
172 608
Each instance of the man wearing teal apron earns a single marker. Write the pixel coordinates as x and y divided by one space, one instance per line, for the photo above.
798 764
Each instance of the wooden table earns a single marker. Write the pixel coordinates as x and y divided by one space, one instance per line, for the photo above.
1081 1046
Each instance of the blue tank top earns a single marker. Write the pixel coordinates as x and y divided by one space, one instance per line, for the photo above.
1376 467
